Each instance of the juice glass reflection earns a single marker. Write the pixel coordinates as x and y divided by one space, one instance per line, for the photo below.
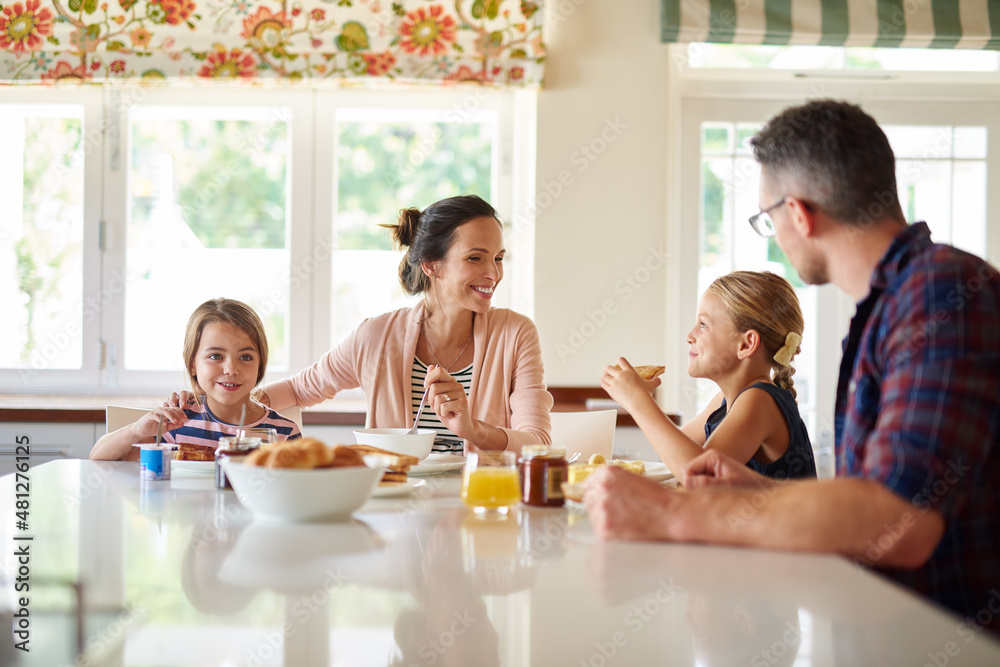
490 483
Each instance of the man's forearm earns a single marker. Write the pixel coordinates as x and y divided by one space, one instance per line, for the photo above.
845 516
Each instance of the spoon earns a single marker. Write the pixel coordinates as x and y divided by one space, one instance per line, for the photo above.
159 431
574 457
239 429
416 420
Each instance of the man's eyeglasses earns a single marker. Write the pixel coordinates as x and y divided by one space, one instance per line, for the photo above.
762 222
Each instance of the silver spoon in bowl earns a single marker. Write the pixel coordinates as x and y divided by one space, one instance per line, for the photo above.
416 420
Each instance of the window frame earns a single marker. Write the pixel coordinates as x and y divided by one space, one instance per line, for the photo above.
93 287
754 96
310 213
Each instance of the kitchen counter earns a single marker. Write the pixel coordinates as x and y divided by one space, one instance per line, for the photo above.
177 573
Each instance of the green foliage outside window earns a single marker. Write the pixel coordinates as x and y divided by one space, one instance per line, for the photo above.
383 167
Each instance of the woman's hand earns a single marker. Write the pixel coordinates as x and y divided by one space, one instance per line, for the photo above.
448 400
147 425
625 386
180 399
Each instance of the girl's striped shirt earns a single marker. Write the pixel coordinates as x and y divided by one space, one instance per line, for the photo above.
445 441
204 428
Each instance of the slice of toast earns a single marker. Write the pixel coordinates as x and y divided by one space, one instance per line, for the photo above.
393 460
393 478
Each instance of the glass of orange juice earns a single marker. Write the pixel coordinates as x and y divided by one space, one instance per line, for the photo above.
490 484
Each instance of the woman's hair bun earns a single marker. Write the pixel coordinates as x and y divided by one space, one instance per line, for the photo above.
405 231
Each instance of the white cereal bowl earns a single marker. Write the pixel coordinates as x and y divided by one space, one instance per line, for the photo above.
296 495
398 440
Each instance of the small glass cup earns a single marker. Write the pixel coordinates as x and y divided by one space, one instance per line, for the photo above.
267 435
490 483
230 445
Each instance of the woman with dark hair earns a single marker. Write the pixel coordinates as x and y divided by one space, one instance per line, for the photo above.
483 365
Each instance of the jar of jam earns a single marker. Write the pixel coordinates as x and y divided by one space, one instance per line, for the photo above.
231 446
543 471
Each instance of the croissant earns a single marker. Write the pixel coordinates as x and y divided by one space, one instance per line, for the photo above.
304 454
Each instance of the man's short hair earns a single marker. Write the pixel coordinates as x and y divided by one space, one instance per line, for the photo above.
836 155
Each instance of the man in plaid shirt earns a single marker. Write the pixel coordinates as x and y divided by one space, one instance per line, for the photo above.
917 493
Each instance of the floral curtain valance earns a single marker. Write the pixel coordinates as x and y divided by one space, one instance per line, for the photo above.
496 42
951 24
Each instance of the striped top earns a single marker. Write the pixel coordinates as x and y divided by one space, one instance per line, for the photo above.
445 441
204 428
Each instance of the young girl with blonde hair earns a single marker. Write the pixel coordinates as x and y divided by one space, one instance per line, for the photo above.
225 355
748 330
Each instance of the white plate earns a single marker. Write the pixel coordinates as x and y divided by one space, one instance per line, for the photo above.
400 490
657 471
193 467
435 464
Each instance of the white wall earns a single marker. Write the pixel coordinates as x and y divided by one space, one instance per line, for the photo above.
601 235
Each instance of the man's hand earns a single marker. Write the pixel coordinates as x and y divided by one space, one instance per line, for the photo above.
713 468
625 506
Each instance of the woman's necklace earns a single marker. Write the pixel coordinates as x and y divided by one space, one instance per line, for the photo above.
436 358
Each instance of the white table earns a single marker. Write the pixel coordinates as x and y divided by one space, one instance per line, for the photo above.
177 573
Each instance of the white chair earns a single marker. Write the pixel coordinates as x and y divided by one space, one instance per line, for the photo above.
589 432
117 416
294 413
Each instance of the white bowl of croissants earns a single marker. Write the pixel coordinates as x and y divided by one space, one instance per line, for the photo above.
303 480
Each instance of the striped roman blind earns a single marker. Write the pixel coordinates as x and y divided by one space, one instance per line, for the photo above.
948 24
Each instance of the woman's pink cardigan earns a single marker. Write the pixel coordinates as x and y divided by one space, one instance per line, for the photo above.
508 387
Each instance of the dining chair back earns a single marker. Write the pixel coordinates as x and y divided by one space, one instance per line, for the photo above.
589 432
294 413
117 416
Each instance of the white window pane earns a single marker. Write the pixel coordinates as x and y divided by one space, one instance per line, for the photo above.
208 218
729 195
41 229
970 142
387 161
918 141
968 230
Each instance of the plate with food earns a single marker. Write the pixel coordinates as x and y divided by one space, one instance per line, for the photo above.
393 490
655 471
193 467
435 464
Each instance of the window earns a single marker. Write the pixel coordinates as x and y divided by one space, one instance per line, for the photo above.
385 161
41 257
208 216
943 153
135 205
941 179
